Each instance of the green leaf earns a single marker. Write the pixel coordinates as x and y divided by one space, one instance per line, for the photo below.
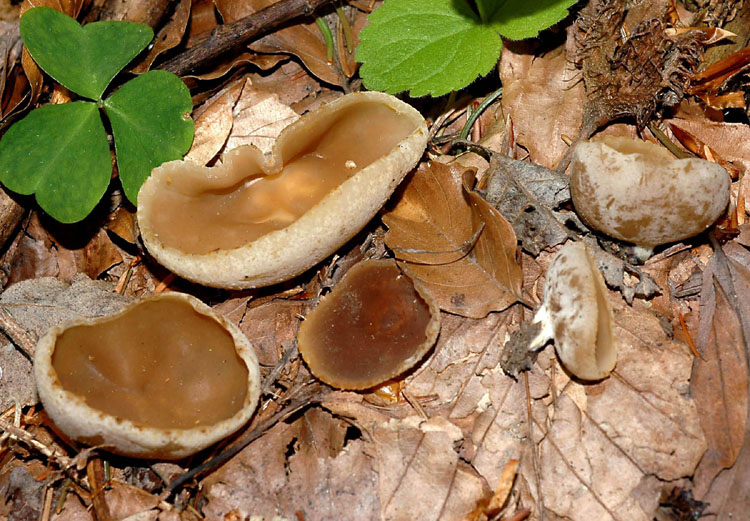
83 59
520 19
425 46
60 153
150 117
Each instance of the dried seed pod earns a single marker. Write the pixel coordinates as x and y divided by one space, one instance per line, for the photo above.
638 192
255 221
577 314
375 325
163 378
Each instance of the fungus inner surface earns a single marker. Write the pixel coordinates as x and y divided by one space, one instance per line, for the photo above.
368 329
220 213
160 364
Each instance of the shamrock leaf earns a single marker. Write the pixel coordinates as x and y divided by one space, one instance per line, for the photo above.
151 124
59 152
83 59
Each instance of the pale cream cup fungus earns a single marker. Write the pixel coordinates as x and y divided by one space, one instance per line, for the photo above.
163 378
375 325
254 220
577 315
638 192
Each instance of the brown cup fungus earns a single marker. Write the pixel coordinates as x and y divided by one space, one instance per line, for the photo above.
375 325
255 220
638 192
577 314
163 378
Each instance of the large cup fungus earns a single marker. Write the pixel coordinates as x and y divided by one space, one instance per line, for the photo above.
577 314
254 220
375 325
163 378
638 192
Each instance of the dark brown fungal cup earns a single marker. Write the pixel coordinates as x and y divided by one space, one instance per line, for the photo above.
375 325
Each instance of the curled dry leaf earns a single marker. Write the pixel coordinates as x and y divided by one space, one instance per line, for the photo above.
454 242
303 40
213 125
169 36
259 117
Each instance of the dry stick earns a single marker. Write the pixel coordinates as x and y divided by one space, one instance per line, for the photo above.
231 36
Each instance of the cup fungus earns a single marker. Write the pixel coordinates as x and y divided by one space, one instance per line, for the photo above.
255 220
163 378
375 325
638 192
577 314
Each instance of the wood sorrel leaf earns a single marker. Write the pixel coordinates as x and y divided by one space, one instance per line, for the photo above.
426 47
61 154
150 117
83 59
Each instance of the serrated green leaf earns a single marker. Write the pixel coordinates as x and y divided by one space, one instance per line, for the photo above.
83 59
425 47
520 19
61 154
150 117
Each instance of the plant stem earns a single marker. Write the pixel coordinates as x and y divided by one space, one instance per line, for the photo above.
327 36
478 112
344 21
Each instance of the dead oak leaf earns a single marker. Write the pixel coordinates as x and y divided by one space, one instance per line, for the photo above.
454 242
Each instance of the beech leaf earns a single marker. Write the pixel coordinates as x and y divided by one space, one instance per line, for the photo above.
431 230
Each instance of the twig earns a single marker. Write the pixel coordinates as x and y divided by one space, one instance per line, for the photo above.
23 339
232 36
32 442
310 396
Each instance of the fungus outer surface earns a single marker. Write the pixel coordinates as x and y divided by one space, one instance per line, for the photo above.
372 327
580 313
638 192
256 220
163 378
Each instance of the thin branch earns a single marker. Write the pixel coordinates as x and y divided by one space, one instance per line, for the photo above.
237 34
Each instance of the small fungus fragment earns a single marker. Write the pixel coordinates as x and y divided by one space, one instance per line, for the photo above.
577 314
638 192
375 325
254 220
164 378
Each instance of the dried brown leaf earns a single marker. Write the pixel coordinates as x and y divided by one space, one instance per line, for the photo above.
306 467
719 382
431 230
604 448
213 125
544 97
303 40
259 117
169 36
